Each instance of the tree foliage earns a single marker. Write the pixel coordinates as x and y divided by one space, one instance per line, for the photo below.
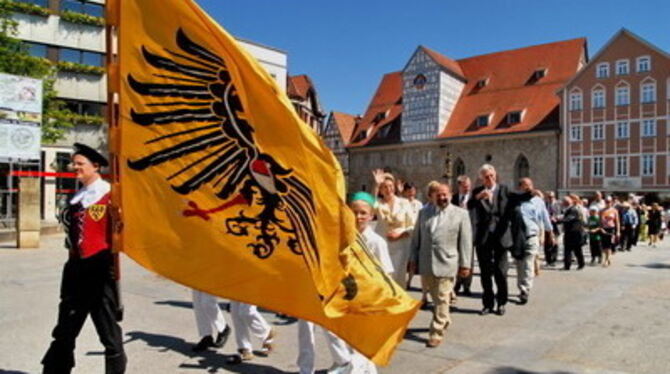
14 59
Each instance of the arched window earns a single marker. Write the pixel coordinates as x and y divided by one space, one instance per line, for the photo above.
521 168
458 170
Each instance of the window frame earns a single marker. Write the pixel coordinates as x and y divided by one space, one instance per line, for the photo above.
602 97
599 161
617 96
618 134
640 59
487 117
576 133
606 71
617 170
576 101
575 167
652 99
600 126
647 170
653 126
622 63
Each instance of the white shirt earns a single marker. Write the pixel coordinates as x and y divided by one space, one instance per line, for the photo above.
415 206
90 194
379 249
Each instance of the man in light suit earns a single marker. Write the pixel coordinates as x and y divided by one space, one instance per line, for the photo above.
493 238
441 248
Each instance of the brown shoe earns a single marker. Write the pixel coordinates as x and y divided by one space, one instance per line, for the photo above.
433 342
268 345
241 356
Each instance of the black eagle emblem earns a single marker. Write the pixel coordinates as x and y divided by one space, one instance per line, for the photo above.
212 143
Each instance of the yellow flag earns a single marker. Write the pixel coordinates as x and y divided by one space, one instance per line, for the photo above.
224 189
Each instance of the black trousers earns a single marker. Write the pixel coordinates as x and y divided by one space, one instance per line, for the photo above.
573 246
87 288
493 265
627 237
465 282
596 249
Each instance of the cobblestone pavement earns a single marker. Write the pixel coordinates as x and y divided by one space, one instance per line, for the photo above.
597 320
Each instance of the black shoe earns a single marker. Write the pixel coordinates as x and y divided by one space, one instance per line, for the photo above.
580 267
501 310
486 311
426 305
467 292
523 298
222 337
203 344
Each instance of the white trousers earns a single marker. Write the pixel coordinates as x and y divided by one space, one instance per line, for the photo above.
339 350
246 321
208 315
525 267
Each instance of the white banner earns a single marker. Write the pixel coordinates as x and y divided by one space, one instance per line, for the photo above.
20 117
20 140
20 94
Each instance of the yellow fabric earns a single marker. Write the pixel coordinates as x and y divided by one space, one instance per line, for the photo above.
182 78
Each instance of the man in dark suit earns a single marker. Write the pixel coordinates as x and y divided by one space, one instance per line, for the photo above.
493 238
463 198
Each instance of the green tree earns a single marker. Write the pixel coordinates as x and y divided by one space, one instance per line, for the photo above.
14 59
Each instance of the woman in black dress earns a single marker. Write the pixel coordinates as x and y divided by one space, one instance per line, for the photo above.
654 223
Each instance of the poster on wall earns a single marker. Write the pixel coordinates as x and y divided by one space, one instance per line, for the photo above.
20 117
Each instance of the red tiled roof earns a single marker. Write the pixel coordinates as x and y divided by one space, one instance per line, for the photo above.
507 89
444 61
298 86
386 105
345 124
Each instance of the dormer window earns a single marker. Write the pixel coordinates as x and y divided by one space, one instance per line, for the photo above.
536 76
481 83
513 117
380 116
483 120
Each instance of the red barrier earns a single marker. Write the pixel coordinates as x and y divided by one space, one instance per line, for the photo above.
44 174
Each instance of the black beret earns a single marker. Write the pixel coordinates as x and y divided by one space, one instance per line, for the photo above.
90 153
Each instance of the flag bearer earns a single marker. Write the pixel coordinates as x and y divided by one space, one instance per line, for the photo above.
88 286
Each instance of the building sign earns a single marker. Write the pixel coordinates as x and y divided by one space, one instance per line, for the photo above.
622 183
20 117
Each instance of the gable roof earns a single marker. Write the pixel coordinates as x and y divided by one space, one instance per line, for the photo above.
444 61
622 32
510 87
345 125
298 86
385 106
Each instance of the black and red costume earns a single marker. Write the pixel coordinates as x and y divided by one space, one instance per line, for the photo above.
88 286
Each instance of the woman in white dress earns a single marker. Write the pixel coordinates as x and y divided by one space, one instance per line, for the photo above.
394 223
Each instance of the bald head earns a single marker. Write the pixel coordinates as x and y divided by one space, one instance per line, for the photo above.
526 184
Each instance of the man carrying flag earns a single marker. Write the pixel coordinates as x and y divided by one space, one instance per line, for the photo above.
246 201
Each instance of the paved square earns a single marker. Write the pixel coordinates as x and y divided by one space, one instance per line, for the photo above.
592 321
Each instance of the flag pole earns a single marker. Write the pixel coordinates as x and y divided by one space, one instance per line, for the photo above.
112 23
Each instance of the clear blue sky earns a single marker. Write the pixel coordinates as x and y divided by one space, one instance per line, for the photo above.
346 46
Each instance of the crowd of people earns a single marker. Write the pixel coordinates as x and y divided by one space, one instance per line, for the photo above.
437 240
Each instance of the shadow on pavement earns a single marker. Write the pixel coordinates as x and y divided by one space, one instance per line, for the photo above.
188 304
459 310
513 370
2 371
208 360
653 265
413 334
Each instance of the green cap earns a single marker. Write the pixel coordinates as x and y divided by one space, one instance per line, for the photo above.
363 196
